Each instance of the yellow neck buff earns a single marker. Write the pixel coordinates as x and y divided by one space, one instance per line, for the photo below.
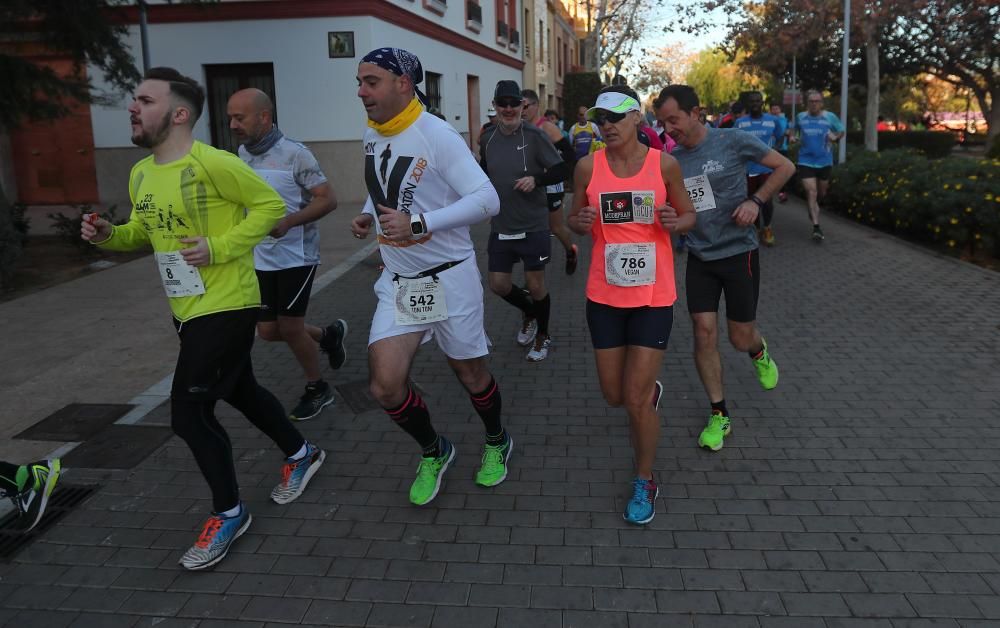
401 122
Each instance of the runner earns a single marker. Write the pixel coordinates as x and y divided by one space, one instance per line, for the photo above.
817 130
430 287
782 148
723 255
286 260
583 134
519 160
767 129
630 288
29 487
203 210
554 191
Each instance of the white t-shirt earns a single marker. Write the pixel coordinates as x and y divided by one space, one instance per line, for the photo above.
292 170
425 167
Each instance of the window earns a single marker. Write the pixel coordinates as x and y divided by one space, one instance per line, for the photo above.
224 80
436 6
559 59
541 41
473 15
433 93
503 28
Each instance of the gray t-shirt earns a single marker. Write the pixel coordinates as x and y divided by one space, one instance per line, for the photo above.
715 177
507 158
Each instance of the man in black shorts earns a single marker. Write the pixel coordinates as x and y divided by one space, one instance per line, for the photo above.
520 161
287 259
723 255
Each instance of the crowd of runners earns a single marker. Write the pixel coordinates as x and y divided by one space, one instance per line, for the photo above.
236 243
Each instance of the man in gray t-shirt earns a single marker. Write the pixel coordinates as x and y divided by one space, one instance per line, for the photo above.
520 161
723 245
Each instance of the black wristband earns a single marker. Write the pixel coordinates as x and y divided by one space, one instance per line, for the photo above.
757 201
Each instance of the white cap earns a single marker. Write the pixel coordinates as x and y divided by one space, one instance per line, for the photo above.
615 102
491 112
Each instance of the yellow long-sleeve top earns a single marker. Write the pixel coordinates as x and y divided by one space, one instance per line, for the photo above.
203 194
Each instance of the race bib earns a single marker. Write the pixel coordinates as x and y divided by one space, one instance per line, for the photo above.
180 279
627 207
420 301
700 190
630 265
511 236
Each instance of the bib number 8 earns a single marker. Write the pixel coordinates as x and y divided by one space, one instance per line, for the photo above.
631 262
170 273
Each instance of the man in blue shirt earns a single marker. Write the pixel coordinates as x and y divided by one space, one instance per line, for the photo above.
817 131
767 129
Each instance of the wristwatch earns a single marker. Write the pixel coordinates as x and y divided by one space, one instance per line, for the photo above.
417 225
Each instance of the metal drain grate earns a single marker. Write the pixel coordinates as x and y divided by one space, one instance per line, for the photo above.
63 500
76 421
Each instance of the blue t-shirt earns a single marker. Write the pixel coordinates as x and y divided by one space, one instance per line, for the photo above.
816 150
766 128
715 177
783 144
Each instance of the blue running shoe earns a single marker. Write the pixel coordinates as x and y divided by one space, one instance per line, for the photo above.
642 507
215 539
295 474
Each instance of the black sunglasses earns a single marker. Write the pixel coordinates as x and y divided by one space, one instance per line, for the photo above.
602 117
508 103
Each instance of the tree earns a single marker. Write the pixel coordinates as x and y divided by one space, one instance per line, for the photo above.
662 66
613 27
719 80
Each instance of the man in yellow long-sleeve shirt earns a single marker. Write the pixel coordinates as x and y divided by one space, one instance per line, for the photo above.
188 203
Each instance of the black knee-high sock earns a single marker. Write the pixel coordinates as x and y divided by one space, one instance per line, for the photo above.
415 420
519 298
542 308
488 405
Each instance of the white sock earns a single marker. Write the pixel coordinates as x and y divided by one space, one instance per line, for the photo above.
232 512
301 453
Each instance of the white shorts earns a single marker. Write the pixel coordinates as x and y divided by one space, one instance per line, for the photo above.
462 336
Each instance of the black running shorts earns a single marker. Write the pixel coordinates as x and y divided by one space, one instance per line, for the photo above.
612 327
808 172
534 249
737 276
285 292
555 200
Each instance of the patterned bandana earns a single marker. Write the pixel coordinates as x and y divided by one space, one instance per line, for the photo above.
397 61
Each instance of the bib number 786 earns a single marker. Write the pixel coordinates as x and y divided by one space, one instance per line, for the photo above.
632 262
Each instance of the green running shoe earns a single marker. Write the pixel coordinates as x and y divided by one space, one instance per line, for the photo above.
494 468
429 474
767 370
717 429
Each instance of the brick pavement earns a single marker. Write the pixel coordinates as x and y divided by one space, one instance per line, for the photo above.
862 492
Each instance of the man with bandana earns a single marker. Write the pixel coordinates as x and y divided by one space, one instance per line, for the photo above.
286 260
425 189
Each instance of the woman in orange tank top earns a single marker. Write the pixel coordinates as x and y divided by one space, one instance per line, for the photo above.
630 199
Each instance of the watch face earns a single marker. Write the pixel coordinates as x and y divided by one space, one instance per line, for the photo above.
417 227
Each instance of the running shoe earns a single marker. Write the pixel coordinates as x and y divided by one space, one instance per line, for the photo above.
332 343
429 473
540 351
216 537
768 236
313 401
295 474
767 370
494 468
572 258
32 500
817 235
641 508
718 428
657 393
529 328
782 197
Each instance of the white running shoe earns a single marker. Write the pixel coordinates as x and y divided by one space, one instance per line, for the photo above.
527 332
540 351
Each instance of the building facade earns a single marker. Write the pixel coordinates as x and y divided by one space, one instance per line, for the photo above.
552 48
305 53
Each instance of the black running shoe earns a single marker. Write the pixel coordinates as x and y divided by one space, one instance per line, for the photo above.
571 259
332 343
313 401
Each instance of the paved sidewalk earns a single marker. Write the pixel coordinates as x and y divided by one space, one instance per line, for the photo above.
862 492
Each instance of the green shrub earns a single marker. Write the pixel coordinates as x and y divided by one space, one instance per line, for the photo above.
994 151
579 88
934 144
953 203
13 229
68 227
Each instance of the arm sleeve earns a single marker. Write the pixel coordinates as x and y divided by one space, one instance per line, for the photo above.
556 174
482 153
132 234
238 183
565 149
478 198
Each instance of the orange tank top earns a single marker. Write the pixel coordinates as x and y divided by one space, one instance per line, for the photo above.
632 260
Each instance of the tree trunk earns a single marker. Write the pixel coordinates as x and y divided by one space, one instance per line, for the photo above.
992 114
872 103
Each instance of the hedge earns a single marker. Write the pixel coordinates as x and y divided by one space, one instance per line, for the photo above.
579 88
951 203
931 143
